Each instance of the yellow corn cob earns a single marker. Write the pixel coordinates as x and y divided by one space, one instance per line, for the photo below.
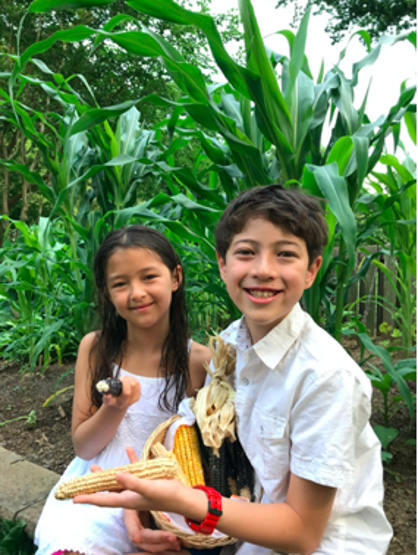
105 480
187 452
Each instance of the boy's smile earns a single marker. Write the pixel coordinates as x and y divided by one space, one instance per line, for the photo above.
266 270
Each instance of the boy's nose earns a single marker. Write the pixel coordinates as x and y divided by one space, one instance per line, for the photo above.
264 267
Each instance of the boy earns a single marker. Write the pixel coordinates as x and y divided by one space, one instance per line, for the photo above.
302 403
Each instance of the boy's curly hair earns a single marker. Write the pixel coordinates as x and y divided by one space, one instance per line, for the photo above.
290 209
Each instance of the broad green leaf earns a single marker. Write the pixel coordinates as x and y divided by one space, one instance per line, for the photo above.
334 188
168 10
385 434
390 369
297 55
341 153
95 116
54 5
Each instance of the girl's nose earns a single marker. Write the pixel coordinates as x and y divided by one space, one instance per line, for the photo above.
137 290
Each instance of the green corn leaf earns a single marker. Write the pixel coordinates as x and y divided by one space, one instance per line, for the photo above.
55 5
47 332
391 370
411 125
385 434
334 188
95 116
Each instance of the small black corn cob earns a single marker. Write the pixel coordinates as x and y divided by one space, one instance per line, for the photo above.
244 472
111 385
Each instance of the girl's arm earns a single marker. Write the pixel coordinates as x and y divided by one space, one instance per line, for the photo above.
295 526
92 427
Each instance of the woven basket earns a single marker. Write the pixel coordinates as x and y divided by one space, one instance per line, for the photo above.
198 541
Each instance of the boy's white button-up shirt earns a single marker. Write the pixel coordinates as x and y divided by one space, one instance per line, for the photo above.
303 406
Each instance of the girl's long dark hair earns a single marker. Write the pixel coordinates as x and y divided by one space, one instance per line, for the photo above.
109 344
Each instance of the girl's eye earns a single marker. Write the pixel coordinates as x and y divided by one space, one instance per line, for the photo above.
118 284
150 277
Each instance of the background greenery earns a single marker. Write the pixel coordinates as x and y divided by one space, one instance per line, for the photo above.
109 115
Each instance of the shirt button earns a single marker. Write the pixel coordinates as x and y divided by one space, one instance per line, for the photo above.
245 381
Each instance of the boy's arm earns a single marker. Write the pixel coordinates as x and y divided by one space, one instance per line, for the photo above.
294 526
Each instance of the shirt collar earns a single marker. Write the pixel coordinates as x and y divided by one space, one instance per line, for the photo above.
272 348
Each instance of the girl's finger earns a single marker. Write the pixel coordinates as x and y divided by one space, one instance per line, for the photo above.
156 541
95 468
133 457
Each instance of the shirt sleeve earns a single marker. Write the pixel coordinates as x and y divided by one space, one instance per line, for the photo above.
326 422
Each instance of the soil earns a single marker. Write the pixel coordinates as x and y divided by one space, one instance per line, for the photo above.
48 441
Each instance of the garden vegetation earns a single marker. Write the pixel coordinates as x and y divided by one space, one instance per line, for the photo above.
98 167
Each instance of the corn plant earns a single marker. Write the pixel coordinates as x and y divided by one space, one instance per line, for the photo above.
270 129
391 380
394 222
38 292
265 124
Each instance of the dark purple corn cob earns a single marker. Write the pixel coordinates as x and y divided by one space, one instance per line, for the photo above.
111 385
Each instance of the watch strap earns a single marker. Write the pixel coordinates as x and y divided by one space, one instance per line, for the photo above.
208 524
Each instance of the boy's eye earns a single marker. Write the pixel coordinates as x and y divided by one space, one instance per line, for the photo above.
287 254
244 252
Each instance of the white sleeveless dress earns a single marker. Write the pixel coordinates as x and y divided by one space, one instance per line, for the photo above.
96 530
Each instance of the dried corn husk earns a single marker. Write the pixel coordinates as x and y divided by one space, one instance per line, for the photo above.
214 405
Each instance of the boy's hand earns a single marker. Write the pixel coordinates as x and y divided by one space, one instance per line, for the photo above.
141 495
131 392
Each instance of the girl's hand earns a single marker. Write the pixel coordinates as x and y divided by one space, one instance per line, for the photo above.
131 392
148 540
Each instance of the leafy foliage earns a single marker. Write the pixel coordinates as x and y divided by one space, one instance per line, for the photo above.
104 167
13 538
374 16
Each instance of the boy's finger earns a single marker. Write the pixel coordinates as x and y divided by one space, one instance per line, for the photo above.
124 499
130 482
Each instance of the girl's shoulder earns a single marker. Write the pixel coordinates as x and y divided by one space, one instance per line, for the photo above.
88 341
199 353
199 356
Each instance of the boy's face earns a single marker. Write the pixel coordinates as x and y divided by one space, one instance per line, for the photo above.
266 270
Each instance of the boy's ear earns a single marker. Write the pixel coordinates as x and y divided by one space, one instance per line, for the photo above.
177 278
222 266
313 271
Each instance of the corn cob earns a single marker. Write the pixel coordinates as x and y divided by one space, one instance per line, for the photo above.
111 385
187 452
105 480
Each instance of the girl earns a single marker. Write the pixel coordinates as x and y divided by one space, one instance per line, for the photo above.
144 342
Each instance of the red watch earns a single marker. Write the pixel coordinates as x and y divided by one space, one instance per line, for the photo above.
208 524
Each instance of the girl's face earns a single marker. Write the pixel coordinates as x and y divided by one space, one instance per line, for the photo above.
140 287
